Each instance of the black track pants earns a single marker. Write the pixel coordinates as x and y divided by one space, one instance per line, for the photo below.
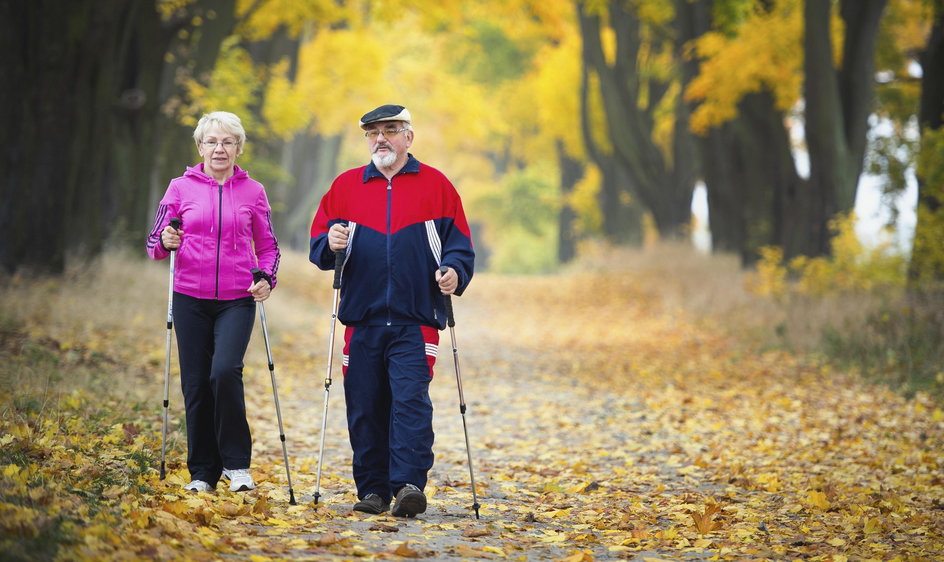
212 337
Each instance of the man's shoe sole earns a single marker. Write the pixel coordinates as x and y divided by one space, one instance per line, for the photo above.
410 504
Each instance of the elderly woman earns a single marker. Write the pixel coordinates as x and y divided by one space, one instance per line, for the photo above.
226 231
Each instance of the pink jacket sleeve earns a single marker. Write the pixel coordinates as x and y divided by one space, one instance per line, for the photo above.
166 210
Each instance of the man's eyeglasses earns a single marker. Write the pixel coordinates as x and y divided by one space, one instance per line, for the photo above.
387 133
227 144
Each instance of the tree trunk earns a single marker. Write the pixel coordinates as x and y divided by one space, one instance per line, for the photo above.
749 172
571 170
313 164
662 185
622 214
63 67
838 104
79 125
927 257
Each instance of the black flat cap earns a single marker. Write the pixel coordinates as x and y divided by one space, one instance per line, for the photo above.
386 113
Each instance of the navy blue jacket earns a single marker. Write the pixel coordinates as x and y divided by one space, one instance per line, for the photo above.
401 232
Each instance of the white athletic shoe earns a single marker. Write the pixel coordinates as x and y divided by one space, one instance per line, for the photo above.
239 479
198 486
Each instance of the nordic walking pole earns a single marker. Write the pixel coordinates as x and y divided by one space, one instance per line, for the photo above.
258 275
338 264
451 321
175 224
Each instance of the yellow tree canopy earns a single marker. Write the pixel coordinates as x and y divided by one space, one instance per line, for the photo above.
765 53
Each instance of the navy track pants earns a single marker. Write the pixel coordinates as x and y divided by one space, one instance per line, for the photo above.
387 371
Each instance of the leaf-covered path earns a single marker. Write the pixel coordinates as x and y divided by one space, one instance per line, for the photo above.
604 423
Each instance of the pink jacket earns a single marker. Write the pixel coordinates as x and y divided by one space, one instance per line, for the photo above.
227 232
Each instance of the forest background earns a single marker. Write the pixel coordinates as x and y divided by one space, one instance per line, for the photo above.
569 127
564 124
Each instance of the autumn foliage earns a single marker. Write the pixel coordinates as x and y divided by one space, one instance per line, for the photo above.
607 420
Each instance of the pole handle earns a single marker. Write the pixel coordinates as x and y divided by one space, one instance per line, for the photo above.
257 275
175 223
338 264
450 317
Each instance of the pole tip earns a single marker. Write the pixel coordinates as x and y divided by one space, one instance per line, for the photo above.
163 474
476 507
317 497
291 497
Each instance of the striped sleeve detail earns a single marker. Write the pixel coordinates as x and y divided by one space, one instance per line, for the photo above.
352 226
155 235
278 253
435 244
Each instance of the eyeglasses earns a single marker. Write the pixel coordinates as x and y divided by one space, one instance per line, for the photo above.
388 133
227 144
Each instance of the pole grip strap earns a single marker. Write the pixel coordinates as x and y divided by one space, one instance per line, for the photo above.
338 265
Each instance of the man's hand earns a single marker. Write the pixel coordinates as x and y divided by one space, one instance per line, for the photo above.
448 282
337 237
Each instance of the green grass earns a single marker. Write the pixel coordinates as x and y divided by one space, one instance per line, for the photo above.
900 344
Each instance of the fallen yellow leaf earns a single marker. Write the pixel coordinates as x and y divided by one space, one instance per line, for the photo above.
405 551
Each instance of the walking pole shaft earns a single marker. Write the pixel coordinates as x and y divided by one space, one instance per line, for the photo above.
257 276
175 223
338 265
451 321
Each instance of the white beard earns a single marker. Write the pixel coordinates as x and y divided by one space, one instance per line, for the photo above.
384 160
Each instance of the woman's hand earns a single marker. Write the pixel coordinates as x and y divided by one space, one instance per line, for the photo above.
170 238
260 290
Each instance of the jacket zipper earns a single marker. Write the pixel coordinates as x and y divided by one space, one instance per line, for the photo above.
389 271
219 243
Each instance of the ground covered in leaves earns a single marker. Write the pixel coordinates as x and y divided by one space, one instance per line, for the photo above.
605 422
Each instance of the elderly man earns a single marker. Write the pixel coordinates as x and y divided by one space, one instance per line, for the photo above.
397 221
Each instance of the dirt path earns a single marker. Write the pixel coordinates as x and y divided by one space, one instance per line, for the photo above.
608 426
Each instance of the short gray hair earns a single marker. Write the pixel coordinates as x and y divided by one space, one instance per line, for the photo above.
224 120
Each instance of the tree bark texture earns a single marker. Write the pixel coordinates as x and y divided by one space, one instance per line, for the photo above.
837 106
53 81
927 258
662 185
81 111
748 170
622 214
571 170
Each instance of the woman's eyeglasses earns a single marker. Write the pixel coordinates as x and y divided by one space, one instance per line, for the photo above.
227 144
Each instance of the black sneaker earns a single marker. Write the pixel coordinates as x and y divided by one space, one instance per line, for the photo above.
410 501
372 503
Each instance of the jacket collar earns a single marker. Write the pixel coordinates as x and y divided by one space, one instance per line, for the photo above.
412 166
197 172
